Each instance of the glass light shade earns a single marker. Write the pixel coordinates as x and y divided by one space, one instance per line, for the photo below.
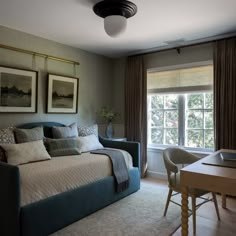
115 25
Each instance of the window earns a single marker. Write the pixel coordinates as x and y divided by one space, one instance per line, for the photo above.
180 110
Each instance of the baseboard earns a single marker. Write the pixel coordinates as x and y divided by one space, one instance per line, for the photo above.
157 175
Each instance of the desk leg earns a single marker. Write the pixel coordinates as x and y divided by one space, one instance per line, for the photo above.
184 211
223 200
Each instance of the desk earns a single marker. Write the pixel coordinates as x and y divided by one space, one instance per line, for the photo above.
207 177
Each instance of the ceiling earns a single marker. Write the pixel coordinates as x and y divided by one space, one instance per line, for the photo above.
158 23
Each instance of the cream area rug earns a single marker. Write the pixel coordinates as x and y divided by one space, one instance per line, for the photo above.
139 214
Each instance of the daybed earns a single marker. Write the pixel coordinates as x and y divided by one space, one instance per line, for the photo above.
46 216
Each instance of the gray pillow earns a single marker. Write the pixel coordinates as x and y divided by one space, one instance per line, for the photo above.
64 152
65 132
28 135
62 147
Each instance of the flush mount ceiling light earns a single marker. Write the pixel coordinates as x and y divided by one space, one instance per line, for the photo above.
115 14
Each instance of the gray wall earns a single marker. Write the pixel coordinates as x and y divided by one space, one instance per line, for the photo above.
94 73
187 55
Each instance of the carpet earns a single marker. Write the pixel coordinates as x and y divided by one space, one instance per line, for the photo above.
139 214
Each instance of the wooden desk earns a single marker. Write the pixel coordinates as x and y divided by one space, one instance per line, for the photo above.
207 177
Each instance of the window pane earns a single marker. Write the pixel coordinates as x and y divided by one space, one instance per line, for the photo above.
195 101
157 102
209 120
195 119
171 102
171 136
209 139
157 119
171 119
209 101
156 136
194 138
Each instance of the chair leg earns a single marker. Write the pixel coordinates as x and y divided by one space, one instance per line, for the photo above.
194 214
168 201
216 205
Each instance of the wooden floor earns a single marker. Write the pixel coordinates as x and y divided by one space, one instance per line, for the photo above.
207 222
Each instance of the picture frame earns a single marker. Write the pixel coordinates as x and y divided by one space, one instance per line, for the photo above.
62 95
18 90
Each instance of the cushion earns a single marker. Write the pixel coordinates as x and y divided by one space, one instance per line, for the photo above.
25 152
62 147
65 132
85 131
89 143
6 137
28 135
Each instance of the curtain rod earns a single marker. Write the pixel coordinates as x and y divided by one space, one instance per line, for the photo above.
38 54
178 47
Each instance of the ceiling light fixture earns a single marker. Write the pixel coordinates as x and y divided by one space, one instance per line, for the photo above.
115 14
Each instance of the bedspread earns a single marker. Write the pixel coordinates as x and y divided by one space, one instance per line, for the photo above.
43 179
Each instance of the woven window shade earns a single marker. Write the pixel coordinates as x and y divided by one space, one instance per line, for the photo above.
187 79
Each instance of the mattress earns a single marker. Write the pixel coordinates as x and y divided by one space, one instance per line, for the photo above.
40 180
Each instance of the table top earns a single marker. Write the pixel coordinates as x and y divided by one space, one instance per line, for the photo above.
210 177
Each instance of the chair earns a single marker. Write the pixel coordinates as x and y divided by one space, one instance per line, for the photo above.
172 158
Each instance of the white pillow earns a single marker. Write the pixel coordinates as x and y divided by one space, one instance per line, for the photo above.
25 152
89 143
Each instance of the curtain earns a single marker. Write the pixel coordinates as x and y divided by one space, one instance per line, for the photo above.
225 93
136 106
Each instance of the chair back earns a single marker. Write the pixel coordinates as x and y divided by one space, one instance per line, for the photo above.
174 156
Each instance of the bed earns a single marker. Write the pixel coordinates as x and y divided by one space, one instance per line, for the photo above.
50 214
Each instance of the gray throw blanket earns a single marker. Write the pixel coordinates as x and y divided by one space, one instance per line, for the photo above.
120 170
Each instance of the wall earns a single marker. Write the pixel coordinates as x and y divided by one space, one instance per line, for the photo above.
187 55
94 73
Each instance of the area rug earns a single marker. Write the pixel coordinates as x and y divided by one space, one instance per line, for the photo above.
139 214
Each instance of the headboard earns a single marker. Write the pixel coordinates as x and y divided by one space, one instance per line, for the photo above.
47 127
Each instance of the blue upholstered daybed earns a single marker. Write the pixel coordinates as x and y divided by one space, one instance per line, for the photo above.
46 216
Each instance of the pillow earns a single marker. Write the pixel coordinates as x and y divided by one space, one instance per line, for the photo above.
65 132
85 131
62 147
89 143
28 135
6 137
25 152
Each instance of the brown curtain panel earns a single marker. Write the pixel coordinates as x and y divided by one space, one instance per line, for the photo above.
136 106
225 93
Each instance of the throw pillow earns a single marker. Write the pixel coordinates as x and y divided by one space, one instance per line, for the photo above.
6 137
85 131
89 143
62 147
65 132
28 135
25 152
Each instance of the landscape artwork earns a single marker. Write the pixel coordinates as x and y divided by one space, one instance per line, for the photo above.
62 94
17 90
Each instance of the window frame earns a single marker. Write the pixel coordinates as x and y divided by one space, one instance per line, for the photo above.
181 91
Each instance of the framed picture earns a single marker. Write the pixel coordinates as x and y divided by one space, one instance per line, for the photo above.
62 94
18 90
